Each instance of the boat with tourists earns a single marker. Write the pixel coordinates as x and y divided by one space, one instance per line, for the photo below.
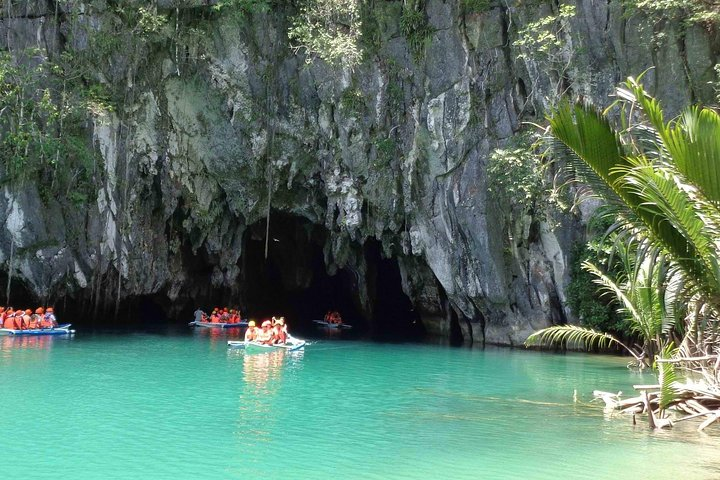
257 347
219 318
271 336
63 329
239 324
25 322
332 320
336 326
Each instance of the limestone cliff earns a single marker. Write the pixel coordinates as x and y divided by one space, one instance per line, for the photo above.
219 118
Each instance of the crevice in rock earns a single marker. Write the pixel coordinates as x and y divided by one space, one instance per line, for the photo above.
20 295
393 313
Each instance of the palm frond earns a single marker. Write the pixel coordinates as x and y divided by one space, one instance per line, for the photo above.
572 335
692 141
595 143
667 377
610 286
682 230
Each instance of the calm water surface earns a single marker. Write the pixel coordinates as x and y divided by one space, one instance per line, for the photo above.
159 406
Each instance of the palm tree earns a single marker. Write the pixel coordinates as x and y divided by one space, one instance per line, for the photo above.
663 181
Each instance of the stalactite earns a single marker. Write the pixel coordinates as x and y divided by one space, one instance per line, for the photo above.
10 269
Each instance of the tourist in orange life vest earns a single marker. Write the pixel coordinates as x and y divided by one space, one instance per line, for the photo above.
275 330
33 323
50 321
252 332
37 318
265 335
280 331
10 322
26 318
19 319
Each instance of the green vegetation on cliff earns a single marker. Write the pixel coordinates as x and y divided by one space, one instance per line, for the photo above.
44 110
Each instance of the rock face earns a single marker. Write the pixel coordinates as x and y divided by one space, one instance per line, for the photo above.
221 119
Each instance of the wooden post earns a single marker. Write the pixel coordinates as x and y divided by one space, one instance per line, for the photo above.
651 416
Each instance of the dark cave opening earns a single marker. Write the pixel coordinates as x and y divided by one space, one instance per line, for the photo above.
394 316
20 296
456 336
293 281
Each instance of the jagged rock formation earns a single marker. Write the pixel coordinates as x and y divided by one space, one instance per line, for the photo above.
219 115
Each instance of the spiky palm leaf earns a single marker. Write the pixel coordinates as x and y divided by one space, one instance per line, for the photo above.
572 335
597 145
695 251
640 295
693 140
667 377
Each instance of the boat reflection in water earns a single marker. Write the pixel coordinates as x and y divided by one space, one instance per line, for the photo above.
262 378
263 371
219 335
12 344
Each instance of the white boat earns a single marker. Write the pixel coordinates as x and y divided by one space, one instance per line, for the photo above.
256 347
338 326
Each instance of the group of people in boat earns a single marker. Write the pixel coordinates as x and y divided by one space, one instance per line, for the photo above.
219 315
27 320
333 317
270 332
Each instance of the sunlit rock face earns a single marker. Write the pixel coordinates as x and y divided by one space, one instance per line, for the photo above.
217 127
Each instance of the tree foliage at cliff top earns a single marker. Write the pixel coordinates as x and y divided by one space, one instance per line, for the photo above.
688 11
328 29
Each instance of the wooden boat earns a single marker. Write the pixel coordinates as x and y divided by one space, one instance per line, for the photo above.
338 326
255 347
63 329
242 323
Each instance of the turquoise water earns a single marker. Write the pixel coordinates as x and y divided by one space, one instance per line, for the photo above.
171 407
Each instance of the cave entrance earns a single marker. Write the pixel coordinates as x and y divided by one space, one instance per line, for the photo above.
293 280
394 316
20 295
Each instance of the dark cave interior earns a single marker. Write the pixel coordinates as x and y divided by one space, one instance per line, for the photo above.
292 281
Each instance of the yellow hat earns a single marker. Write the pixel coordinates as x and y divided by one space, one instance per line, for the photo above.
251 323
